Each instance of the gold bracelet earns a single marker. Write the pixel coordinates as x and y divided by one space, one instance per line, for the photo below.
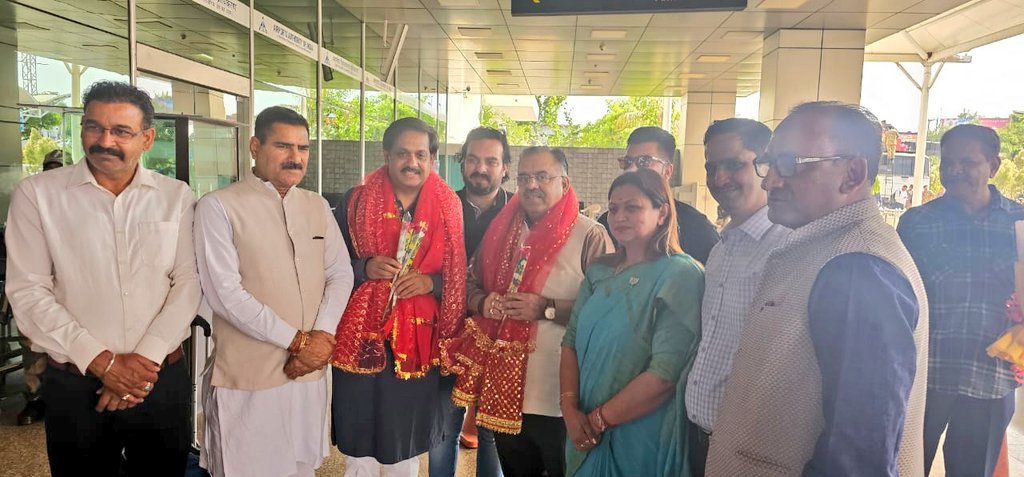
109 365
305 340
561 397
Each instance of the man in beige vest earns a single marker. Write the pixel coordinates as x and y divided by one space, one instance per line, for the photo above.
518 395
276 272
830 374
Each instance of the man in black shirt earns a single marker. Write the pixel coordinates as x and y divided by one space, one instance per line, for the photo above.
654 148
485 160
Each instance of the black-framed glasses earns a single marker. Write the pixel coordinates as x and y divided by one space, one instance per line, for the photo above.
542 178
119 133
642 162
785 164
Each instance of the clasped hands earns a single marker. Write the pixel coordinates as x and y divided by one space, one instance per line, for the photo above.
129 379
412 283
585 430
313 355
516 306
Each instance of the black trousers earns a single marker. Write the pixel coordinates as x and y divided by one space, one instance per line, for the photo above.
699 443
539 450
153 436
974 432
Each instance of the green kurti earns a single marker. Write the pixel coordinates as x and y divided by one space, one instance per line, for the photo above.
644 318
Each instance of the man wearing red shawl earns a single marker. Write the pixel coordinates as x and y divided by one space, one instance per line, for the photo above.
523 282
404 230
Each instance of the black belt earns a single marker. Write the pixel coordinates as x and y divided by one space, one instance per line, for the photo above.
172 358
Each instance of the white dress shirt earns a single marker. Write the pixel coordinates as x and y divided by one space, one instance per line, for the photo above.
277 431
89 271
731 278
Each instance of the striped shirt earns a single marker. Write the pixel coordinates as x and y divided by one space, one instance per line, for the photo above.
966 263
731 277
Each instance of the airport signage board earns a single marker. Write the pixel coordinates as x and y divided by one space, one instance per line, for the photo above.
597 7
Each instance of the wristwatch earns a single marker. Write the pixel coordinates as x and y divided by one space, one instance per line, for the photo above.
549 311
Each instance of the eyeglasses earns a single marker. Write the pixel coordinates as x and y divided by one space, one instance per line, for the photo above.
642 162
785 164
542 178
119 133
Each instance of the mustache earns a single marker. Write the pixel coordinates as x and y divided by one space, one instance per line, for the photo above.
477 175
97 149
291 165
412 169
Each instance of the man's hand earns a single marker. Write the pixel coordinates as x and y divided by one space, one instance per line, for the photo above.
525 306
314 356
382 268
413 284
129 375
493 306
110 401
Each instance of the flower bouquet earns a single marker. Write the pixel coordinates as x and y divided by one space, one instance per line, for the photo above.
1010 346
409 240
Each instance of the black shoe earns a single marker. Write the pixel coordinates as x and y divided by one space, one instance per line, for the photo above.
34 411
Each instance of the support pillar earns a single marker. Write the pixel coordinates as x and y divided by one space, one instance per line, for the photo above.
10 129
809 65
699 110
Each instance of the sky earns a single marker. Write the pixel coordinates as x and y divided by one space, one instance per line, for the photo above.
991 85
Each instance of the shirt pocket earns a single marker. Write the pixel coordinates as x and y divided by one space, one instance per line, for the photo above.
157 243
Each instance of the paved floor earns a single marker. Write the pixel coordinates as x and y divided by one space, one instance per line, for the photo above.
23 449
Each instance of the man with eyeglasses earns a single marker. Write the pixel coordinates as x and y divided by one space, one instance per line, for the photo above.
485 159
522 285
101 275
654 148
734 268
963 242
830 374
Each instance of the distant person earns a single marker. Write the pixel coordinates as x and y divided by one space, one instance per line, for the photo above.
654 148
909 201
900 198
963 244
53 160
926 195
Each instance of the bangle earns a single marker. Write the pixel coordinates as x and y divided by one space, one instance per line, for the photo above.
567 394
305 340
109 365
602 423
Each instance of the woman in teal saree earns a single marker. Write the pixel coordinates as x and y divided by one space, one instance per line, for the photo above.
632 337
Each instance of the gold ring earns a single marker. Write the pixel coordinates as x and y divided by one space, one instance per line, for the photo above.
126 396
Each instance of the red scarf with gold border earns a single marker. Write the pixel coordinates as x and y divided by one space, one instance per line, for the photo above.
490 356
416 324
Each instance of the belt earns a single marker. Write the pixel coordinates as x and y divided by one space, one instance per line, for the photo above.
171 358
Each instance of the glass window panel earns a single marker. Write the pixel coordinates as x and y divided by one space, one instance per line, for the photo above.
213 149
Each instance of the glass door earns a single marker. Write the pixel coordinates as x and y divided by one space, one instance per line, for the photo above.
201 152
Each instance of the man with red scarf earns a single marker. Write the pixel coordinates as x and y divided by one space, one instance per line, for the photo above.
404 230
522 286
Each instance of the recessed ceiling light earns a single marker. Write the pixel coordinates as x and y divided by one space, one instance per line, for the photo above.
600 56
489 55
781 4
590 87
713 58
475 32
741 35
595 74
598 34
508 85
204 57
499 72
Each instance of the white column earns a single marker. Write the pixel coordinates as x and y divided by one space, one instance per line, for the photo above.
809 65
10 131
699 110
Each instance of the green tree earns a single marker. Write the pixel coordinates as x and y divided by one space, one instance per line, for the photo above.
46 121
34 150
623 116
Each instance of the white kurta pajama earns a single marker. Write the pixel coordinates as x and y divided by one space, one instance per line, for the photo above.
283 430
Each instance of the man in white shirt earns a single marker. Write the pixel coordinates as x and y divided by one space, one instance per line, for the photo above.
276 272
734 266
101 275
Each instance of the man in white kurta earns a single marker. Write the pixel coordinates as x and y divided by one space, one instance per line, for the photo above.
276 273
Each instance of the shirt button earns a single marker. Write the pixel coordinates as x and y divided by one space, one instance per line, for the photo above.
125 293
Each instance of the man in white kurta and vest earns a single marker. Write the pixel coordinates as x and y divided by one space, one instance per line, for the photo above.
276 273
522 285
830 374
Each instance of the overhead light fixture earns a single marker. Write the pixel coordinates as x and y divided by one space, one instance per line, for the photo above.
595 74
742 35
490 55
459 3
204 57
499 72
475 32
600 56
781 4
508 85
599 34
713 58
590 87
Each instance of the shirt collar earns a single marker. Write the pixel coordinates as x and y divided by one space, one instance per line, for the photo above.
997 202
755 226
499 201
81 174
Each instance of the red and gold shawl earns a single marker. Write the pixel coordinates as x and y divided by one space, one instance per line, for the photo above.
416 324
490 356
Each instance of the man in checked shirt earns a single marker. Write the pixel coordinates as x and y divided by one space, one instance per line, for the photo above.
733 268
963 244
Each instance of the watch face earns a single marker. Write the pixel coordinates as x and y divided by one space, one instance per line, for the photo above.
549 313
